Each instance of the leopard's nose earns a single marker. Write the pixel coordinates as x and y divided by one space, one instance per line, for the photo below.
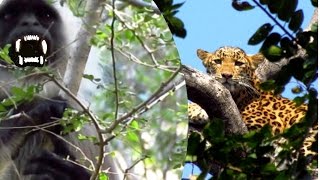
227 75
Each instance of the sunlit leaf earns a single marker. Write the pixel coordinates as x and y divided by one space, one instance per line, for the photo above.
273 53
4 54
103 176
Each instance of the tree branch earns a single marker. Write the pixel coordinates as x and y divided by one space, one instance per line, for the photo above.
143 4
80 52
270 70
214 98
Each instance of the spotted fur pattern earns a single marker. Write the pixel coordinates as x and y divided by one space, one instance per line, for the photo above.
233 68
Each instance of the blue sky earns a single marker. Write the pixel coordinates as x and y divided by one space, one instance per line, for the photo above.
211 24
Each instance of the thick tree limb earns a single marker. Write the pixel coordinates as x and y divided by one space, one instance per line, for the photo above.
80 52
214 98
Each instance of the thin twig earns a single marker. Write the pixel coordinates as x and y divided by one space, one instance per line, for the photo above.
149 51
114 62
273 19
94 121
134 110
132 166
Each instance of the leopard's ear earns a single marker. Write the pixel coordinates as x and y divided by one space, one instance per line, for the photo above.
202 54
255 60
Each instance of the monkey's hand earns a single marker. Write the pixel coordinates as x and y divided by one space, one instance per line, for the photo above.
50 166
45 111
37 112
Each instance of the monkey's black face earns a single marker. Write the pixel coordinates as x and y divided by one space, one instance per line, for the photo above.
31 27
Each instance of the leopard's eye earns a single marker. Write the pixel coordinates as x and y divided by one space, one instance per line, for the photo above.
238 63
217 61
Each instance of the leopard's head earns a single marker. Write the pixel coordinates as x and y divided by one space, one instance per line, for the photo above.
233 68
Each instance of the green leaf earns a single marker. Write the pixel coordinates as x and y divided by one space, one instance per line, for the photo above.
314 3
268 85
296 20
282 175
270 167
241 6
178 5
260 34
132 137
103 176
88 76
303 38
273 53
176 26
274 5
193 143
4 54
299 100
288 47
263 2
272 39
314 27
274 50
286 9
214 130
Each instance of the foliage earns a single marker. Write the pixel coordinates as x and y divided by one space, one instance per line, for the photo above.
288 43
145 57
249 156
140 48
169 10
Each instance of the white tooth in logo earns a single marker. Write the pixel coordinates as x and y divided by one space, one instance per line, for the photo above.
31 37
41 60
20 60
44 46
18 45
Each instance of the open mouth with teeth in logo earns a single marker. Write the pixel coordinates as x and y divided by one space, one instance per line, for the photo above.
29 50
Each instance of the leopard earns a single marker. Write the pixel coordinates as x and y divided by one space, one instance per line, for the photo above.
235 70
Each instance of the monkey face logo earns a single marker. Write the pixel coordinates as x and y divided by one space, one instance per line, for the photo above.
29 50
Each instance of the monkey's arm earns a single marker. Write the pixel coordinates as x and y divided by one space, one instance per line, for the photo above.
14 130
48 164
